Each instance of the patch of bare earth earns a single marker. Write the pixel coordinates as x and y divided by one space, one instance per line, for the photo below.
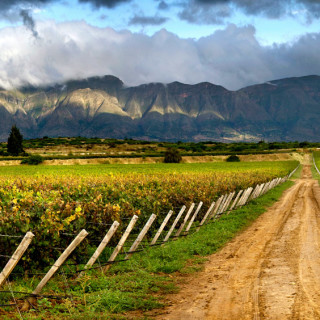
270 271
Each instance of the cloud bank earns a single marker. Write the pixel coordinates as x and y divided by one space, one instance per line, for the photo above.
231 57
218 11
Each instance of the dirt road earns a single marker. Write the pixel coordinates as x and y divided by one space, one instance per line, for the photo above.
270 271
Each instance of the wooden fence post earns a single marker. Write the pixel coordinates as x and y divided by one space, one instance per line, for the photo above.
235 201
224 199
141 235
174 223
260 190
185 220
216 208
265 188
121 242
102 245
252 195
78 239
193 217
164 223
256 195
227 203
244 194
206 215
246 200
16 257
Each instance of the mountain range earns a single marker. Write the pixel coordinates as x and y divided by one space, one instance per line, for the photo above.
279 110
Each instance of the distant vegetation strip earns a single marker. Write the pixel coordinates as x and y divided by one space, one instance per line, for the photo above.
51 200
139 155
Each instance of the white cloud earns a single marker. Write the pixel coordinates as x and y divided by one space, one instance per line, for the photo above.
231 57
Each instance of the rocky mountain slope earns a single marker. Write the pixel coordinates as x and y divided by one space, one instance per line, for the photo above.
287 109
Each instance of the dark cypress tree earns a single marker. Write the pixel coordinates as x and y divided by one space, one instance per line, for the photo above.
14 146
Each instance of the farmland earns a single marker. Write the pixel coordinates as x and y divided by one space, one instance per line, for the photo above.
55 202
56 199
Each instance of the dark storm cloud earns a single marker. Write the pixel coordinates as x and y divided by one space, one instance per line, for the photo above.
29 22
105 3
6 5
146 20
205 13
163 5
216 11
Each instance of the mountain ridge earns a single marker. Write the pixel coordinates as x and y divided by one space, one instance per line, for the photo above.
277 110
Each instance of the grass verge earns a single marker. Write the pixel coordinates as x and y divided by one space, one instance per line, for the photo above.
142 282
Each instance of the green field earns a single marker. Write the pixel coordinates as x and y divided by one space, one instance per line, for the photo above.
158 168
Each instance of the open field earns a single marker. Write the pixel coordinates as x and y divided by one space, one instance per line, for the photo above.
52 199
141 282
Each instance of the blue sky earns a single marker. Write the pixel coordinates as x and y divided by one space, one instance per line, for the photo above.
230 42
268 30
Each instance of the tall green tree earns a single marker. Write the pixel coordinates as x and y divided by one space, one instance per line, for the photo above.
14 146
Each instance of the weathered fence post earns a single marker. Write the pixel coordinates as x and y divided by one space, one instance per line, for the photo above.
141 236
235 201
227 203
253 193
265 188
216 208
185 220
78 239
246 200
244 194
193 217
102 245
121 242
206 215
16 257
164 223
259 193
222 204
174 224
256 192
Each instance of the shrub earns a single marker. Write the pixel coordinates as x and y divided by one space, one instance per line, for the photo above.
172 156
33 160
233 158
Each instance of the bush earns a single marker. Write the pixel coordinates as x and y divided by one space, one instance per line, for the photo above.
33 160
233 158
172 156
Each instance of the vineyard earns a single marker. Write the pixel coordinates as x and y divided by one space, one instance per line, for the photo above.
56 203
55 200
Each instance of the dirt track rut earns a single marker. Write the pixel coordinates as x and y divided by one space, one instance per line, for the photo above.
270 271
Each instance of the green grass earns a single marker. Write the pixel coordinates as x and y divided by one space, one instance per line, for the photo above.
142 282
99 169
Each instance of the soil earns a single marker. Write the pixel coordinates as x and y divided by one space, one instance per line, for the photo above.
269 271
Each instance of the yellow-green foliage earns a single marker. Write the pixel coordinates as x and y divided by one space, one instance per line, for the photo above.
51 200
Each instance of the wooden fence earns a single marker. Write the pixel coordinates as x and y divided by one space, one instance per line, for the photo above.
179 227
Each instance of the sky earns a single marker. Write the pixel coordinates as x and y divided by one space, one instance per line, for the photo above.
233 43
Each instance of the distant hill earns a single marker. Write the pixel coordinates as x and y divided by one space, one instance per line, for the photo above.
280 110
